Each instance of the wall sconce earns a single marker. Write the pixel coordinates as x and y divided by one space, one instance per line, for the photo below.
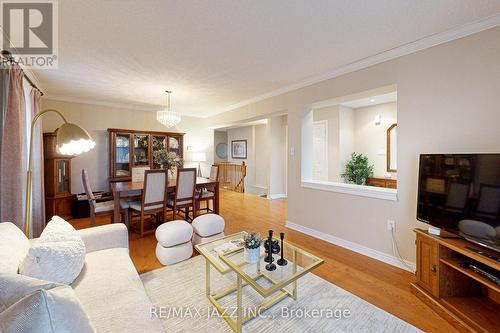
377 120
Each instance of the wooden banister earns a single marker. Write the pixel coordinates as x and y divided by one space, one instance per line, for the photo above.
232 176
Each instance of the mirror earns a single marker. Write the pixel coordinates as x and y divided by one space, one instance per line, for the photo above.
392 138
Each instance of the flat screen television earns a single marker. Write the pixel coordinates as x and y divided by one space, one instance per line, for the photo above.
460 193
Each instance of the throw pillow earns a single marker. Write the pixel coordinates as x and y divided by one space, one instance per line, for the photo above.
57 256
13 287
14 246
46 311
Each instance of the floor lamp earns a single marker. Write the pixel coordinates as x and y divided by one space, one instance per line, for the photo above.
70 140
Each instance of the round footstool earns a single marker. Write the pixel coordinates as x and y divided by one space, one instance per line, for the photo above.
174 242
207 227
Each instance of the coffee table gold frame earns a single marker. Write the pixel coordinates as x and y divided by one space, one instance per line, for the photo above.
280 288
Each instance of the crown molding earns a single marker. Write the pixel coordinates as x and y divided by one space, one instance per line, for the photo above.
99 103
418 45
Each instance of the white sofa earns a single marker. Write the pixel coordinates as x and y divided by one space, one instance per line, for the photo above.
108 286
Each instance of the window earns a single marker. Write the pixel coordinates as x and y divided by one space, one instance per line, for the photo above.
349 144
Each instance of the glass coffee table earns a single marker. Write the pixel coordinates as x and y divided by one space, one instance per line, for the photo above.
273 286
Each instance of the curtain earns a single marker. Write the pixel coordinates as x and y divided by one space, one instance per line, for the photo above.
4 83
38 192
13 151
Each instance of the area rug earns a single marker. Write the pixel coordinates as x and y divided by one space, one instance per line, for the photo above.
178 295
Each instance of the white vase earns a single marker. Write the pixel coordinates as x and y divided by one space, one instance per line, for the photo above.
252 255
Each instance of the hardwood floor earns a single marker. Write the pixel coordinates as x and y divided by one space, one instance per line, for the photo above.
381 284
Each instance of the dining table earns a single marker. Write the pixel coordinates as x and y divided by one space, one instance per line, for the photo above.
127 189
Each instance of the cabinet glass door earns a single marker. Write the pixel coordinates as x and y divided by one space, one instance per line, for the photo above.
141 150
62 176
122 155
174 145
159 143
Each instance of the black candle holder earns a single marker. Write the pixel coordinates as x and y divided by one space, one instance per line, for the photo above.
269 259
282 261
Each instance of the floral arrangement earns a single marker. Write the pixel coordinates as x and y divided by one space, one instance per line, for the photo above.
168 160
252 240
358 169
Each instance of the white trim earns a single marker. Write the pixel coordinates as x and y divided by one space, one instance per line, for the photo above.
418 45
353 189
277 196
381 256
129 106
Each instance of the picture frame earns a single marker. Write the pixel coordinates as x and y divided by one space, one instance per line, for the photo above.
239 149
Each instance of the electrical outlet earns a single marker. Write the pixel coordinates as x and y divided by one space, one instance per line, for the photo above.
391 225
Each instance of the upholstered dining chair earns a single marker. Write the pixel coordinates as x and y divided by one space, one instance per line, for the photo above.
104 207
153 199
185 195
138 173
207 195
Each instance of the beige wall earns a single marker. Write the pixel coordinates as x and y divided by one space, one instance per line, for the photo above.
447 102
97 119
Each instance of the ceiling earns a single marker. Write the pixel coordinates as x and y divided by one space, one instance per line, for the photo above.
372 100
215 54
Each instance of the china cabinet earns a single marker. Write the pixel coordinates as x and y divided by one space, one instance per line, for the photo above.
57 180
131 148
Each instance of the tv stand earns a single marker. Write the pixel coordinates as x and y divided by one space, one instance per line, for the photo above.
462 296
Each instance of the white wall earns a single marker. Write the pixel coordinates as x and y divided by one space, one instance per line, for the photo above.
97 119
257 161
346 138
447 102
243 133
331 115
262 162
219 137
277 156
371 139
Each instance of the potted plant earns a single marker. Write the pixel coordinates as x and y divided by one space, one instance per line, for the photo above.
252 247
357 170
167 160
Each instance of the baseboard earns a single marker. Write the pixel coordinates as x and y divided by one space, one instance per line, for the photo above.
277 196
384 257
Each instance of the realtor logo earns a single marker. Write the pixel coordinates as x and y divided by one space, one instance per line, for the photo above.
29 32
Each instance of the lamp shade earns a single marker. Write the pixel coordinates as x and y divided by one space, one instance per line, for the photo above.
73 140
199 157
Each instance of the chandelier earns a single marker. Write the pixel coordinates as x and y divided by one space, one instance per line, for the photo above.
168 117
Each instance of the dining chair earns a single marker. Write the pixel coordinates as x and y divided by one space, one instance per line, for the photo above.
102 208
185 195
138 173
208 195
153 198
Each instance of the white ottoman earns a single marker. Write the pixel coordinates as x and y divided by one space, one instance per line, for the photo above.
174 242
207 227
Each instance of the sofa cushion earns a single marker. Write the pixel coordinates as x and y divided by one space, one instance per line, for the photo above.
14 246
46 311
59 262
174 233
112 293
59 230
13 287
208 224
57 256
